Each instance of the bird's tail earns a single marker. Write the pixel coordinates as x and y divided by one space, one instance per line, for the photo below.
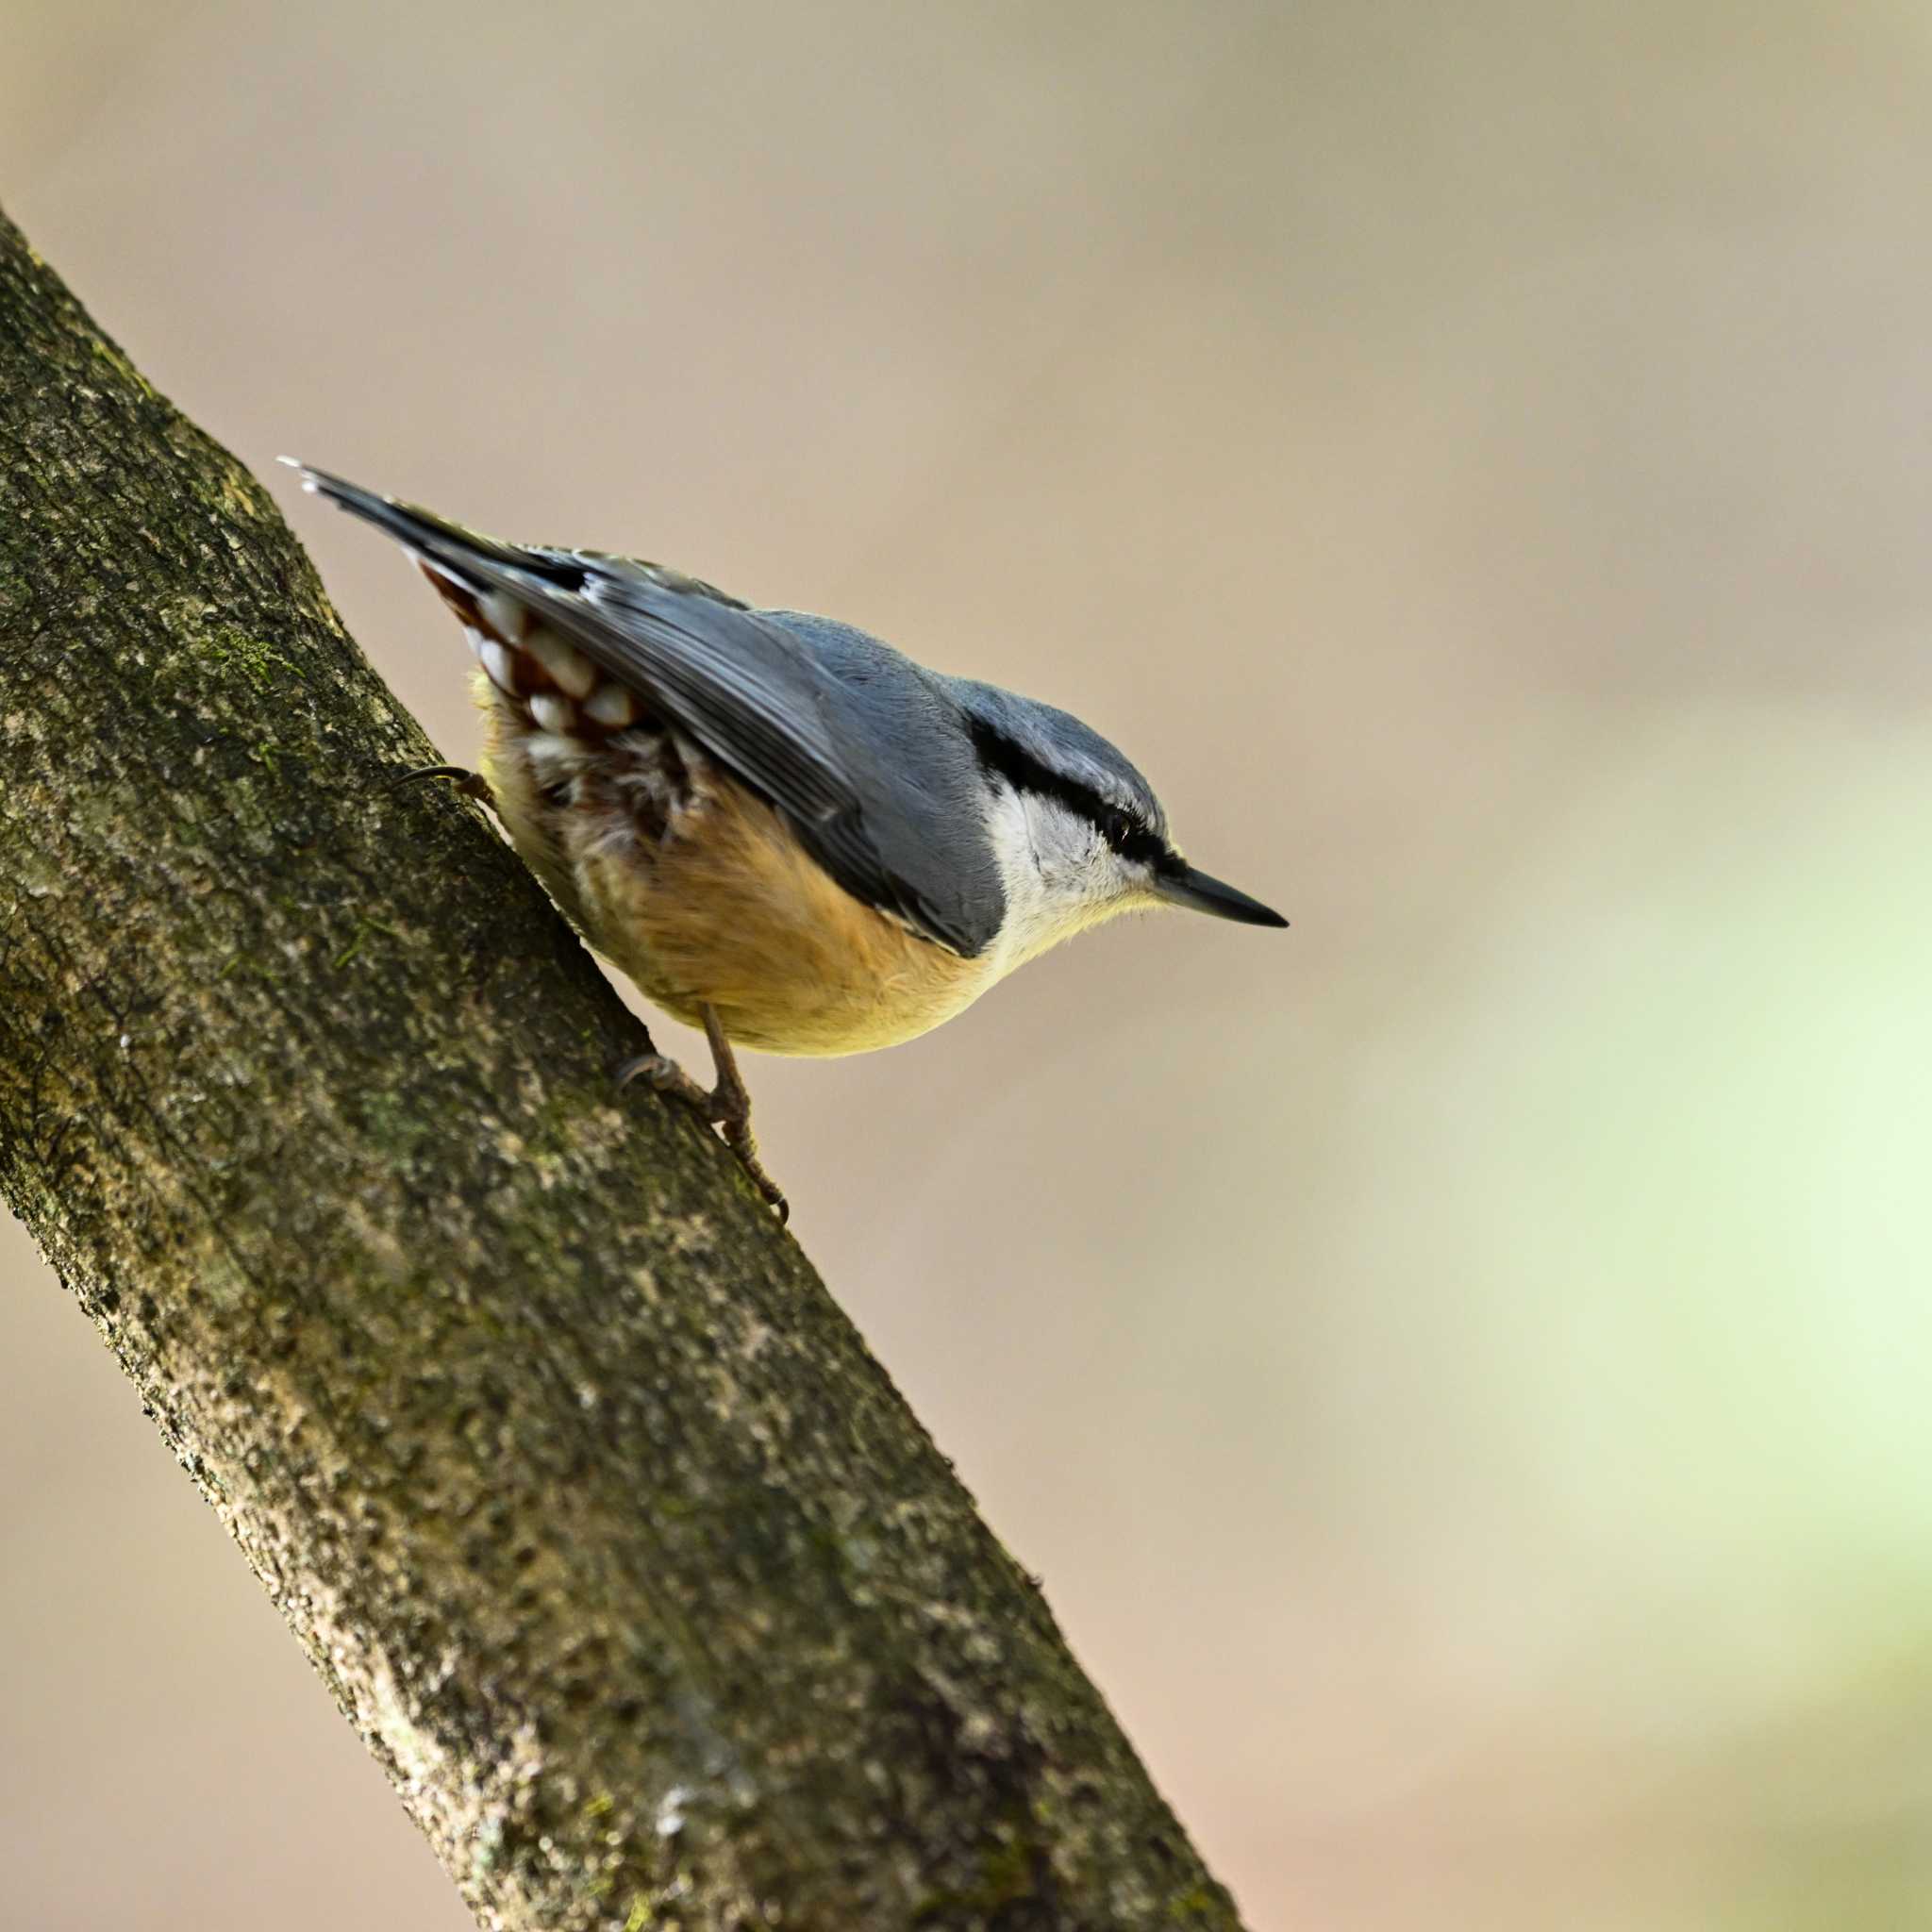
479 562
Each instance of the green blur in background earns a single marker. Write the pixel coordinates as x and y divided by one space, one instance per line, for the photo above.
1461 1365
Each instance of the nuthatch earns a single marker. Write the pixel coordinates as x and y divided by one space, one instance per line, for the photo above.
784 830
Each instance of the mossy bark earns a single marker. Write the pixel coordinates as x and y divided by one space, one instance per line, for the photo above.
620 1552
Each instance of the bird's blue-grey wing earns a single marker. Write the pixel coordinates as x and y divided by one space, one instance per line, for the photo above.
762 695
910 758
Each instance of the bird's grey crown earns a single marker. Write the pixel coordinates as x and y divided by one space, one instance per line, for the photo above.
1072 753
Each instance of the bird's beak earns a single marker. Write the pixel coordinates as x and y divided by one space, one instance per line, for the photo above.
1184 886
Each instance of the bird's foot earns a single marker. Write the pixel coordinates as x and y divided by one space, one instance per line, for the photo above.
471 784
726 1104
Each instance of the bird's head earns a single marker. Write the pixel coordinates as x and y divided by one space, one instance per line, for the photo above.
1080 834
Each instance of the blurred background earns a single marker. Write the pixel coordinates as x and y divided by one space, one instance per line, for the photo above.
1461 1365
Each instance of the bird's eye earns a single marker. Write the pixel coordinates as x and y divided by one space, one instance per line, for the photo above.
1123 832
1126 835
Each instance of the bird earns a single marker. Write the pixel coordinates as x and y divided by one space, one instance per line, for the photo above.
782 829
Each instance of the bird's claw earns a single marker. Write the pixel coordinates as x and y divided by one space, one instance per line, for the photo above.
471 784
726 1105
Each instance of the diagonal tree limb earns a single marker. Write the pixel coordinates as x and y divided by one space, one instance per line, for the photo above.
609 1535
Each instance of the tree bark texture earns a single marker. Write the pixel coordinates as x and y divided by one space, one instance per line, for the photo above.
622 1555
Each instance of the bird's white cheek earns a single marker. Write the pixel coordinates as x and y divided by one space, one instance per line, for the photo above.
1056 881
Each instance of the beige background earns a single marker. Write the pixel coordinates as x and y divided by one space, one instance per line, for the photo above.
1460 1365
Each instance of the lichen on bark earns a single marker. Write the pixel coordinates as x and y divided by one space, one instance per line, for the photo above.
607 1534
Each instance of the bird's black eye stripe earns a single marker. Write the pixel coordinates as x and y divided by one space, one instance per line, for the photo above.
1025 773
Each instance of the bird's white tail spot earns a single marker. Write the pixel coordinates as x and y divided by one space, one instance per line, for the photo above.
570 669
612 705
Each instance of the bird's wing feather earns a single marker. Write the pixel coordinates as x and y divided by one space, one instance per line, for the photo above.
743 686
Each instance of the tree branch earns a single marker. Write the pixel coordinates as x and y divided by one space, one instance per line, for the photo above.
607 1534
